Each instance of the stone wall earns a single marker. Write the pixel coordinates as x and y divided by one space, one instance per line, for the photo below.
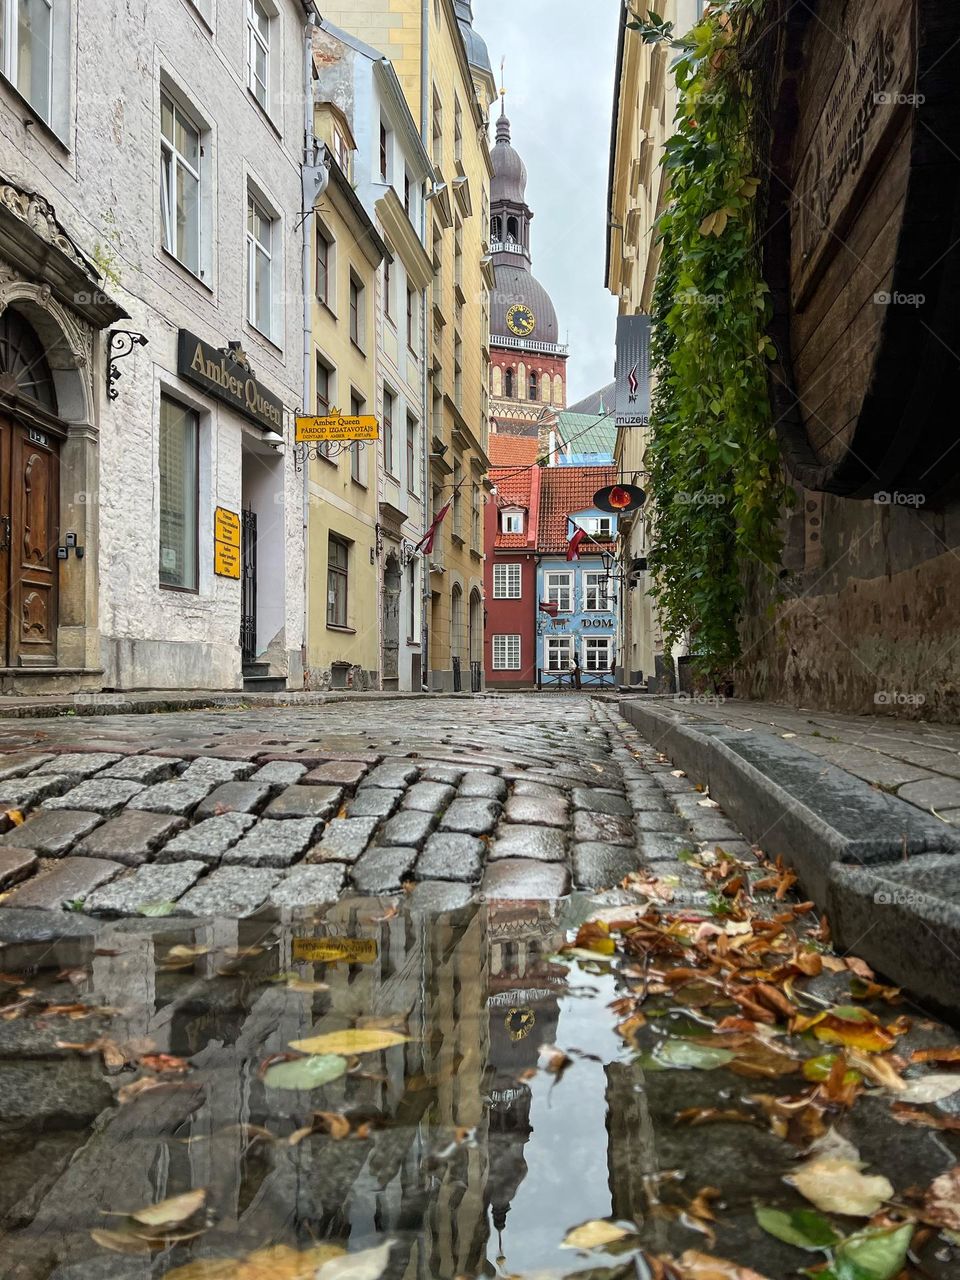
870 617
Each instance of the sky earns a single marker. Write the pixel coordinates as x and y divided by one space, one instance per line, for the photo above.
559 80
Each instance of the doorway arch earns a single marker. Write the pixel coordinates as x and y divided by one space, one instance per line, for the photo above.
390 656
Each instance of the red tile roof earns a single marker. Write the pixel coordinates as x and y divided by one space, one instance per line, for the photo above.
512 451
513 490
563 491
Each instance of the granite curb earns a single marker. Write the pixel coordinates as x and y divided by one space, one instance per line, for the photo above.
885 873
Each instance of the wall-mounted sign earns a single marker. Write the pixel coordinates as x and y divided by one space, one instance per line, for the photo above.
619 498
633 371
226 543
326 950
221 375
337 427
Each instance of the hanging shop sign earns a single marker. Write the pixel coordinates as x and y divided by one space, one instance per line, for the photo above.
328 950
226 376
633 371
226 543
337 427
619 498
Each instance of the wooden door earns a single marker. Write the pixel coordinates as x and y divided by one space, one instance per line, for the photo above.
29 536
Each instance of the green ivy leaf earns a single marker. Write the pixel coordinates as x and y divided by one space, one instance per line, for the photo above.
691 1054
803 1227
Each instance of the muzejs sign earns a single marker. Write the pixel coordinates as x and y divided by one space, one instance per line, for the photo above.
633 371
217 373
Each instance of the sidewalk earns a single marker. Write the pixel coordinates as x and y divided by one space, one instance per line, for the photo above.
863 809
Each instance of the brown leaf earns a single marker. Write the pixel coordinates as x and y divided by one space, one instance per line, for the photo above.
941 1204
694 1265
554 1060
943 1054
337 1125
173 1211
128 1092
903 1113
165 1063
695 1116
121 1241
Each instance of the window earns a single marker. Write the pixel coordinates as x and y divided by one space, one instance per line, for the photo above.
338 561
458 253
412 432
437 128
258 52
412 604
180 154
412 320
457 130
356 311
496 229
560 590
356 470
511 522
559 653
179 495
260 237
389 402
458 370
324 392
596 589
508 384
506 653
475 517
341 151
596 653
387 288
325 272
534 389
457 501
506 582
26 51
384 151
598 526
406 193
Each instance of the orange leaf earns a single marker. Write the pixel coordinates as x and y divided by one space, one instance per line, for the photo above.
943 1054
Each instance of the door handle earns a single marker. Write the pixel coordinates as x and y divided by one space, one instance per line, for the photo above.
4 533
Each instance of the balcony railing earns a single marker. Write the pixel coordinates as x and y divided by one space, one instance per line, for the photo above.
529 344
507 246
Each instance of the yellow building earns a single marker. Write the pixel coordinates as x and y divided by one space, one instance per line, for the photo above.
645 100
343 631
445 72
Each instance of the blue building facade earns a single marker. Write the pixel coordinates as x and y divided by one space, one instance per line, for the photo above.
583 626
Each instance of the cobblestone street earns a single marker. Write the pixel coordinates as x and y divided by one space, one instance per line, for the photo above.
223 813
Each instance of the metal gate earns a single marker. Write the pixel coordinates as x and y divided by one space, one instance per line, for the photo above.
248 585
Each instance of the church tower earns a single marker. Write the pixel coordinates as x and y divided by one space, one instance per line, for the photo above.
528 374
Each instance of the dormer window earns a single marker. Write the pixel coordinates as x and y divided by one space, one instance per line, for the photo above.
341 151
511 521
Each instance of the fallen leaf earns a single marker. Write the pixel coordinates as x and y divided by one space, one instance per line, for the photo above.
941 1204
905 1114
691 1054
165 1063
836 1185
802 1227
853 1027
350 1041
15 816
930 1088
704 1266
945 1053
369 1264
337 1125
305 1073
553 1060
279 1262
121 1241
172 1212
593 1235
305 986
875 1253
152 909
130 1091
695 1116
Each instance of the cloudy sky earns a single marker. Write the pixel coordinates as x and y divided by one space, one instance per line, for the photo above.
559 78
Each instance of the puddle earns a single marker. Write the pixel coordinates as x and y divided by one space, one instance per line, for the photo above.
451 1143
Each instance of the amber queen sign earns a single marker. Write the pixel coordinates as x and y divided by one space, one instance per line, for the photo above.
336 427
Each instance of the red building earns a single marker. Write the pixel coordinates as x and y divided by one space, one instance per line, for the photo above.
510 568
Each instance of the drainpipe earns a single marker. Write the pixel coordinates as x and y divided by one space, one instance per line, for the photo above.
425 380
309 159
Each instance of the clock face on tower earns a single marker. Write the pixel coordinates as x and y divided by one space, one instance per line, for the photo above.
521 320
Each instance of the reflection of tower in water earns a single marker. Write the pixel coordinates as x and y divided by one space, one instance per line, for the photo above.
523 1012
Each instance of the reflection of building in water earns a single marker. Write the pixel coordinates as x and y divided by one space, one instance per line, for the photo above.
523 1012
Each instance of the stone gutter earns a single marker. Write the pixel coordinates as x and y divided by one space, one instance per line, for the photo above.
885 873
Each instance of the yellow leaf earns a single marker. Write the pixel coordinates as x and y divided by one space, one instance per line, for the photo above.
16 817
707 225
120 1242
836 1185
170 1213
356 1040
279 1262
704 1266
593 1234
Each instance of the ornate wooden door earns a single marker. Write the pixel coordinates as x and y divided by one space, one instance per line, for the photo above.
29 535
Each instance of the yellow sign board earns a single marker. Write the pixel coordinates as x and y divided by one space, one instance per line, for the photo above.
226 526
226 560
325 950
226 543
337 427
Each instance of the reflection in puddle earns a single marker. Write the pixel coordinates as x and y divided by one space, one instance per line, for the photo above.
450 1143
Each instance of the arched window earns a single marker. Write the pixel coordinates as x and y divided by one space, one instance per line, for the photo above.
496 229
456 621
521 380
513 230
534 385
496 378
545 388
22 359
508 384
557 389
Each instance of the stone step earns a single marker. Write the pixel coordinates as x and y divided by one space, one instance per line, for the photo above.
264 683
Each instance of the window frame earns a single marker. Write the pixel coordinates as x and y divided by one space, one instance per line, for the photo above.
321 362
255 249
194 415
357 469
338 576
324 236
503 589
171 159
412 344
554 645
502 661
507 518
390 401
413 429
602 581
10 67
557 589
265 43
590 643
357 311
